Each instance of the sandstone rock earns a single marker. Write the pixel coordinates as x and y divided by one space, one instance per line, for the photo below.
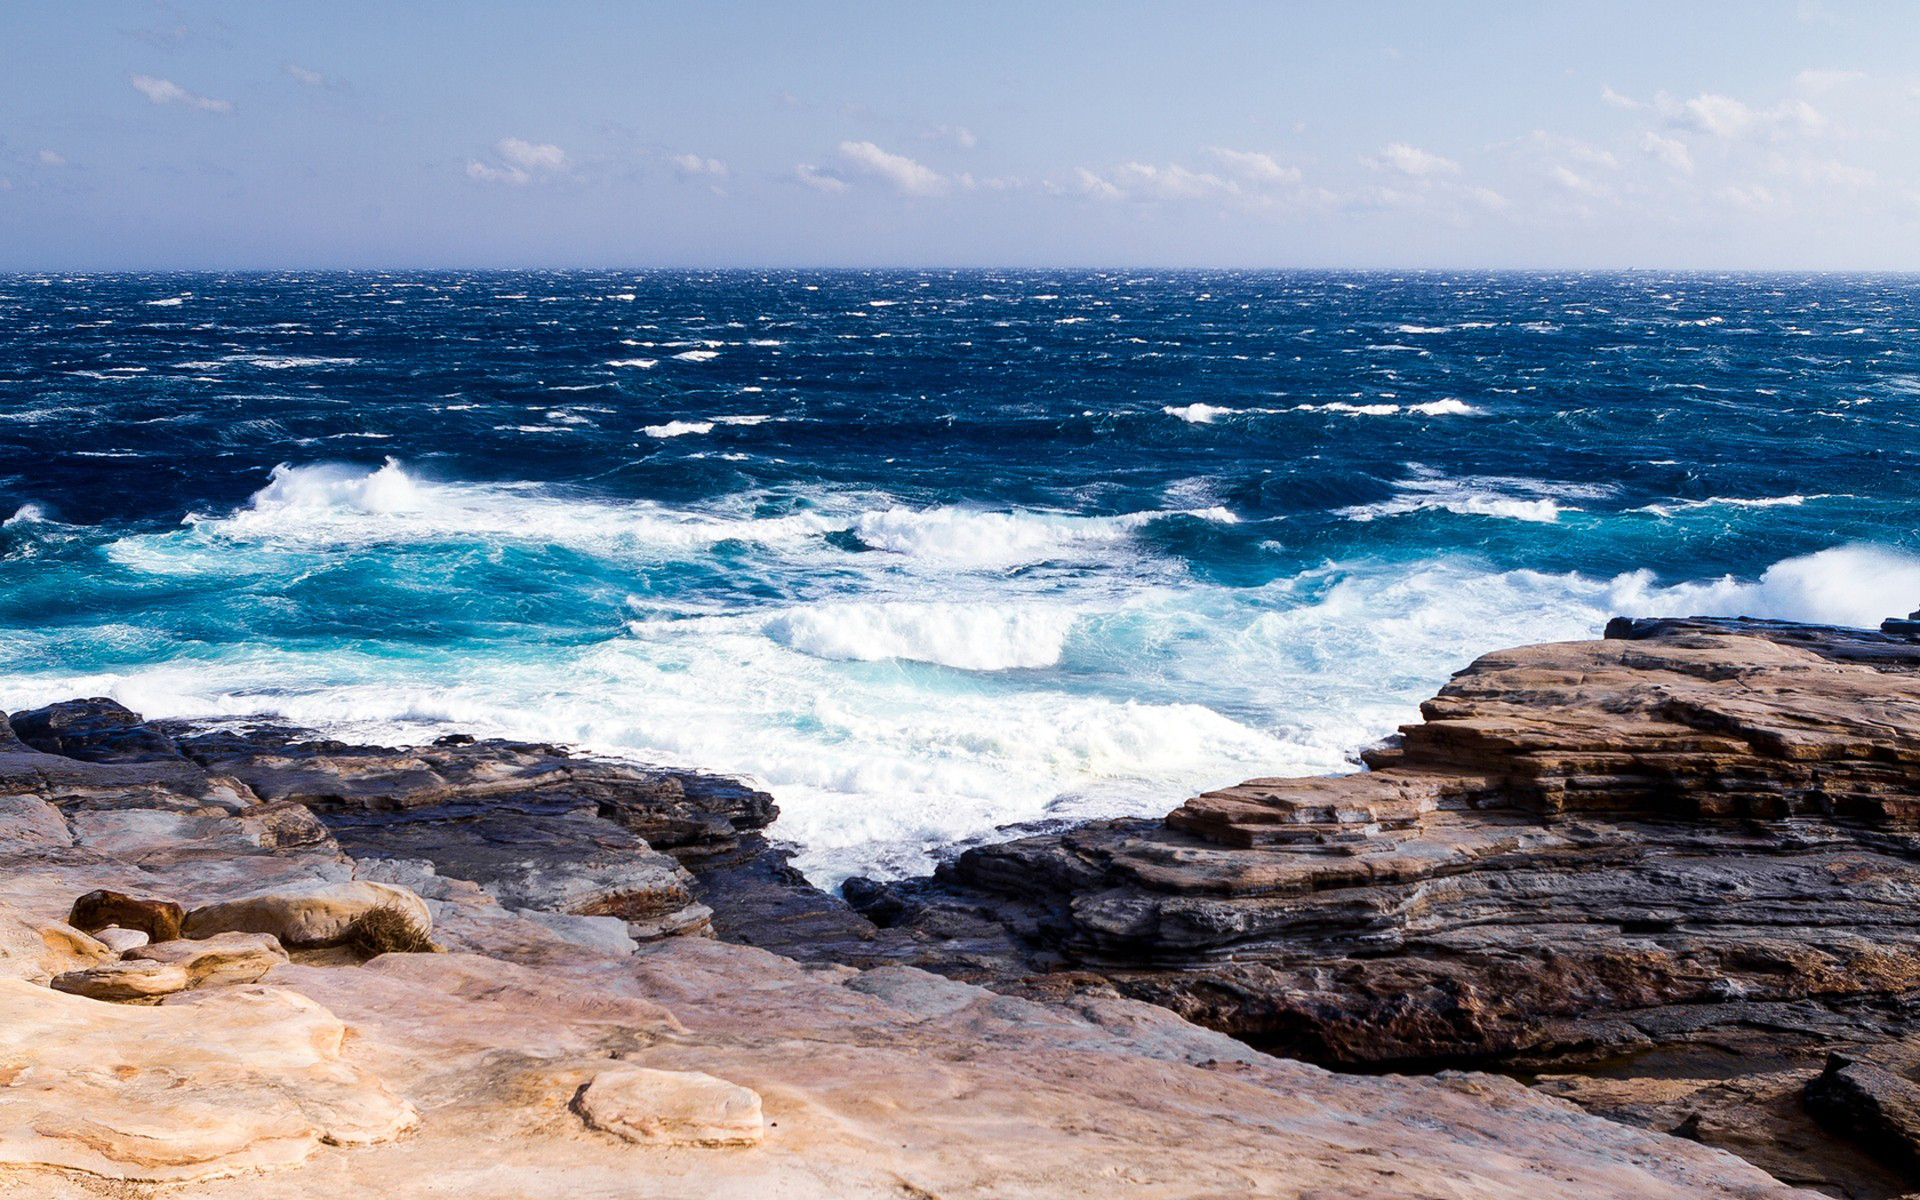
247 1079
29 825
124 980
316 915
223 958
159 919
1693 834
120 940
672 1108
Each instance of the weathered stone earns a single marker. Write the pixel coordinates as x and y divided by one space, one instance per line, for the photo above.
223 958
315 915
159 919
124 980
1870 1105
248 1079
96 730
672 1108
120 940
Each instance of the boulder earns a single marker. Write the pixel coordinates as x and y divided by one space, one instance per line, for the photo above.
123 979
671 1108
97 730
120 940
223 958
315 915
159 919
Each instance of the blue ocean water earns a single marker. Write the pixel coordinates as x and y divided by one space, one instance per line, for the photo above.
924 552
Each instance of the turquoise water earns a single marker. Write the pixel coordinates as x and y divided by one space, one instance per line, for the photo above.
923 552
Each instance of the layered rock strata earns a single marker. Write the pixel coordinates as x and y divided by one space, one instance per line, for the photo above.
1694 843
560 1043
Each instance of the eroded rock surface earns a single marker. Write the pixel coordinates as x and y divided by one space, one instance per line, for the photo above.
249 1078
1698 838
416 1074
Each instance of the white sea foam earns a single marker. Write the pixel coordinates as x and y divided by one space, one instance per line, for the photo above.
677 429
168 302
877 761
1508 497
643 364
993 540
697 356
287 362
971 637
1198 414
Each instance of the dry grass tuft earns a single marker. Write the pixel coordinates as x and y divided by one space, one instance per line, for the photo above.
388 929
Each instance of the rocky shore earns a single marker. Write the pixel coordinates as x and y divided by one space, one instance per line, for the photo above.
1663 884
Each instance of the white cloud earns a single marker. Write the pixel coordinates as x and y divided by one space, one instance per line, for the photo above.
1576 183
166 91
520 162
693 164
814 178
1095 186
1618 101
1725 117
1172 182
1671 151
50 158
1252 165
491 174
306 75
1411 160
531 156
907 176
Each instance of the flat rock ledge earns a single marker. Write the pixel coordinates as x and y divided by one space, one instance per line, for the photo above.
571 1026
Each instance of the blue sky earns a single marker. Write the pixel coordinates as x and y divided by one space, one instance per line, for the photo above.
144 135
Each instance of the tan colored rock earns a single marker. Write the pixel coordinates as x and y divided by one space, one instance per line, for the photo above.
242 1080
672 1108
38 950
224 958
315 915
119 940
124 980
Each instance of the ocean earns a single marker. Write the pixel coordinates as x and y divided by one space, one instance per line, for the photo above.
924 553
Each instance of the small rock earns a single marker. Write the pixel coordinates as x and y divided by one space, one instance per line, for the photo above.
221 959
120 940
160 920
318 915
124 980
672 1108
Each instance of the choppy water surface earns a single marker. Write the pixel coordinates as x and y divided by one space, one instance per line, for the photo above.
925 553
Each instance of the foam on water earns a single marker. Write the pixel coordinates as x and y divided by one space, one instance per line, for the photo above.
1025 544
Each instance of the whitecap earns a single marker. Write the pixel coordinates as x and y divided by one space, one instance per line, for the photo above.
969 637
677 429
697 356
644 364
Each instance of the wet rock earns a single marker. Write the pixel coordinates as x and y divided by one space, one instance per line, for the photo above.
315 915
671 1108
159 919
97 730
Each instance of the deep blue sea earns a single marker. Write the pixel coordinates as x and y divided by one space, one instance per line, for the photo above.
923 552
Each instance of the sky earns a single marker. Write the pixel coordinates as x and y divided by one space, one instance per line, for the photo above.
172 134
